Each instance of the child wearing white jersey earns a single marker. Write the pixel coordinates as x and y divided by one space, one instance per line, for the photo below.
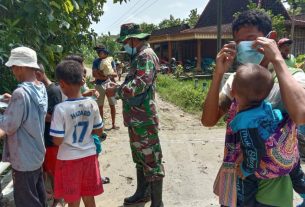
77 172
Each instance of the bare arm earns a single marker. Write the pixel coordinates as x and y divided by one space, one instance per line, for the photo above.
48 118
2 133
97 75
293 94
98 132
57 140
215 105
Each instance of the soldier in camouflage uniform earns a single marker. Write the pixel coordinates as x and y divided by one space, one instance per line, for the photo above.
140 115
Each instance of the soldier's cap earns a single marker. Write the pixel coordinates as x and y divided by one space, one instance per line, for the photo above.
131 30
284 41
101 48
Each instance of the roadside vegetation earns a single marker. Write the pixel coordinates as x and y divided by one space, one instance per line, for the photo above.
183 93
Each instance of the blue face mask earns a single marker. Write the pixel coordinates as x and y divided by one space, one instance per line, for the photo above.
130 50
247 54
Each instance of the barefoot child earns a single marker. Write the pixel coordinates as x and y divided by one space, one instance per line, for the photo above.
77 174
254 123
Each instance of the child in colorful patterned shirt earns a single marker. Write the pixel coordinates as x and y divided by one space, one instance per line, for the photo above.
255 122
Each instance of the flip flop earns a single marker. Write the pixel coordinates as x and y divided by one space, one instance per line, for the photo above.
103 137
105 180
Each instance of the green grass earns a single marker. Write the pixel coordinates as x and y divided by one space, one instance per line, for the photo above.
183 93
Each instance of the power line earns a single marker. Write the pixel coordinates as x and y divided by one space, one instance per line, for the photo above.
123 14
143 9
135 8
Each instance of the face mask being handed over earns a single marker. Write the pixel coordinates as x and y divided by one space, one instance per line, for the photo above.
247 54
130 50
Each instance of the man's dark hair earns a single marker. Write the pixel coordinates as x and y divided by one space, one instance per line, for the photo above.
69 71
76 58
256 18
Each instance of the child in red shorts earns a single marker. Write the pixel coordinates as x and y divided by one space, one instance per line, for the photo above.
77 174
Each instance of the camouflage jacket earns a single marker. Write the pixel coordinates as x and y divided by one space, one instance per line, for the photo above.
141 76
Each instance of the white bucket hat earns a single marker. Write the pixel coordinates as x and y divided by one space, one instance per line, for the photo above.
23 56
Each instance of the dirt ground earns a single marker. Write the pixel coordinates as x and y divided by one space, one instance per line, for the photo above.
192 156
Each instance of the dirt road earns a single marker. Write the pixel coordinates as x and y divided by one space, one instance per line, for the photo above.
192 156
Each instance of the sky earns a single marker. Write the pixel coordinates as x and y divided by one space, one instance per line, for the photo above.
149 11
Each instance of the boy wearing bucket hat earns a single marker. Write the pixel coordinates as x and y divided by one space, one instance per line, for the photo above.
103 69
140 116
24 123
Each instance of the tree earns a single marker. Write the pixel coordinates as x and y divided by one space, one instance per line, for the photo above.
108 41
171 22
296 6
53 28
193 18
278 21
148 28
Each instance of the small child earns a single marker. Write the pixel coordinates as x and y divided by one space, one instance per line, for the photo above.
77 173
255 122
24 123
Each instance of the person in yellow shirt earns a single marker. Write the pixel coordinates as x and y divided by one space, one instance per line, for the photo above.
103 70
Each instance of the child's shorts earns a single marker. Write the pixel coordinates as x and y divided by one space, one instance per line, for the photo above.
50 160
77 178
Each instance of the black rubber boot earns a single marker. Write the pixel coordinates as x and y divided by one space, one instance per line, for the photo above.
142 194
156 193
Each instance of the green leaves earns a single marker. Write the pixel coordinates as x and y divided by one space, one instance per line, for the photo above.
119 1
53 28
54 4
68 6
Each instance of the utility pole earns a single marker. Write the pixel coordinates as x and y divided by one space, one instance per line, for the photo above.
219 24
294 7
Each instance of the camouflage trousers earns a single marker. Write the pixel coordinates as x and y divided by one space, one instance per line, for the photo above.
146 151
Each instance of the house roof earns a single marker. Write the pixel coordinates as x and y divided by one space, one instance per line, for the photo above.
300 17
299 21
170 30
225 29
206 25
230 7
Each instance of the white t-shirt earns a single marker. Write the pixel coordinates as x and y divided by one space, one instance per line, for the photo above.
274 96
74 120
